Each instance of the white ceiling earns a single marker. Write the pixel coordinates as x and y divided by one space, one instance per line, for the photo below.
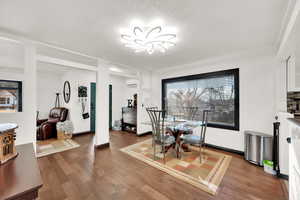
206 28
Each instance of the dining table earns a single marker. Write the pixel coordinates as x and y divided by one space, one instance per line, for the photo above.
177 128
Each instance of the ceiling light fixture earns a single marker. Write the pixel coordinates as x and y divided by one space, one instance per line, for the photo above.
115 69
150 38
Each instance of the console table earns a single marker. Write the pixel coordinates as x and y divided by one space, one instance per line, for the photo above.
20 177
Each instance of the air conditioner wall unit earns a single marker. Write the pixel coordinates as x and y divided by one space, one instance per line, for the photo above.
132 82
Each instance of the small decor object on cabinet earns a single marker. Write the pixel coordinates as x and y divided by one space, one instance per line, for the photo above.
7 142
129 103
64 130
67 91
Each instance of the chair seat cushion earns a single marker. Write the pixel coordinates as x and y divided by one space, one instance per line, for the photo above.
191 139
168 140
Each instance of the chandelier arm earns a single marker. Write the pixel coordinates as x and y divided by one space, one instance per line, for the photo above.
153 29
137 28
173 36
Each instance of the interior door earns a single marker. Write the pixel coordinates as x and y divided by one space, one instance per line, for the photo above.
110 106
93 107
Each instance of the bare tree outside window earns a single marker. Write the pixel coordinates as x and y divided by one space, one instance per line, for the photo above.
187 99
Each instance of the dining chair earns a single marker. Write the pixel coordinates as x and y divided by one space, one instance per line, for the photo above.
159 135
196 140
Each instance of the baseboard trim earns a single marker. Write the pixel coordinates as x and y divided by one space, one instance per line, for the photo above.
82 133
102 146
143 134
283 176
225 149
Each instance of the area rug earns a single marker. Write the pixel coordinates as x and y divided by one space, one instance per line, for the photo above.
206 175
52 146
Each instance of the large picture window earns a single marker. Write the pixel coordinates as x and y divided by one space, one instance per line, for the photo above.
216 91
10 96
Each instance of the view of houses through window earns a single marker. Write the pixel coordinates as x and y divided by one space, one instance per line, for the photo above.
10 96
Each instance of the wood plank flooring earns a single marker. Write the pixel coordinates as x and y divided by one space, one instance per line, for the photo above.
85 173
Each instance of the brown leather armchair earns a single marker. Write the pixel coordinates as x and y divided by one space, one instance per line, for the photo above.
47 127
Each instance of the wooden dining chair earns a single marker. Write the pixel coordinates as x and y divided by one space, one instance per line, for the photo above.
159 135
196 140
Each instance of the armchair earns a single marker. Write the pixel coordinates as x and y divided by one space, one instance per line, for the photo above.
47 127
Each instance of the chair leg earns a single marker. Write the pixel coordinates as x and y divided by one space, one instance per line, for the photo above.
154 148
164 152
180 149
200 154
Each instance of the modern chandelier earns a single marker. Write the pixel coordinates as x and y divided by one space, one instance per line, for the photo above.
149 38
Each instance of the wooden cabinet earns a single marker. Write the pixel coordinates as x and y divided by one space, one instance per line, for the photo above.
293 71
129 119
294 162
20 177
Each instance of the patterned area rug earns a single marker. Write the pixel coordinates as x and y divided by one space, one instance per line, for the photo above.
206 175
52 146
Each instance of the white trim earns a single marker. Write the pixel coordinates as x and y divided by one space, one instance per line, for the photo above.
286 32
22 40
47 59
250 54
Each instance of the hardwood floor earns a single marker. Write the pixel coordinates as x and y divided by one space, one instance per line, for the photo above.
85 173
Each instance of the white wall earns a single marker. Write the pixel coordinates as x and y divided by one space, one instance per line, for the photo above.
258 97
18 116
144 100
78 78
121 92
48 84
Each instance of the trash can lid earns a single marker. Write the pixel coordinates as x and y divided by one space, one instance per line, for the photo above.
257 133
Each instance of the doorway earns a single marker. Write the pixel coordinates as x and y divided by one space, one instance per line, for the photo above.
93 107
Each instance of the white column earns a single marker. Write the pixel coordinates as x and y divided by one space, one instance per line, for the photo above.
144 101
29 96
102 106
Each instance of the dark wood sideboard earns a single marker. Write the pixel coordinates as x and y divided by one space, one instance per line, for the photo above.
20 178
129 119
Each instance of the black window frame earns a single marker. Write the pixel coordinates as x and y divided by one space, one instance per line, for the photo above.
20 100
234 72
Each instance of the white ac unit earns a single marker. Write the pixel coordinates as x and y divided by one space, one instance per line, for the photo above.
132 82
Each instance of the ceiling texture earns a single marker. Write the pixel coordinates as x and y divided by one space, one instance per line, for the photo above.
206 28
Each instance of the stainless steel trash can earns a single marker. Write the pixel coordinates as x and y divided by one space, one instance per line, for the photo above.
258 147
